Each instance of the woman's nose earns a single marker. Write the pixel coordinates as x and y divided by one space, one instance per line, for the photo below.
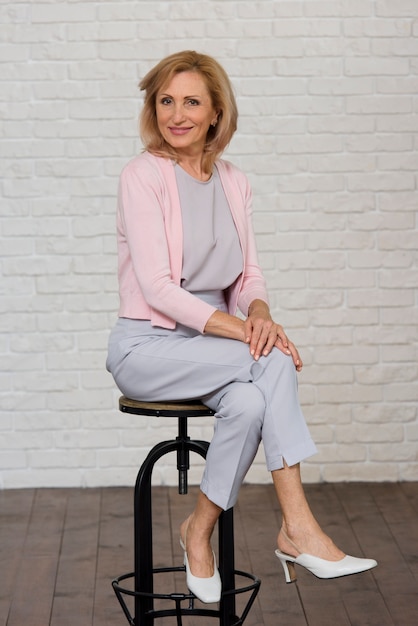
178 114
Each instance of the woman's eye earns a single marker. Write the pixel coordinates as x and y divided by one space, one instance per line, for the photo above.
166 101
193 102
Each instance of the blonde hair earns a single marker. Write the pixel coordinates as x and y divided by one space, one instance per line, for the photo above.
222 97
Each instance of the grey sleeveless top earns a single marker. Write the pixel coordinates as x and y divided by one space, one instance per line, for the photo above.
212 256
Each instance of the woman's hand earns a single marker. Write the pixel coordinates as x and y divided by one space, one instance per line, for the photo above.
258 330
262 334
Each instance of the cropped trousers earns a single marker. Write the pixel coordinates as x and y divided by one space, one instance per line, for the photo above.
253 401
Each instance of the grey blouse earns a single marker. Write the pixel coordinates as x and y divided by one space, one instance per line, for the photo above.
212 256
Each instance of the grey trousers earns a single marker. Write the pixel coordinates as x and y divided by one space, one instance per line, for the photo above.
253 401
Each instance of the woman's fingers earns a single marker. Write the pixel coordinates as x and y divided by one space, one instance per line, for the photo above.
262 335
292 351
282 339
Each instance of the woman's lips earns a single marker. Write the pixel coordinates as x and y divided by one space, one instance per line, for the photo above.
179 131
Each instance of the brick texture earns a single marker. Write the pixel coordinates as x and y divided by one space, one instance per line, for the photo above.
328 135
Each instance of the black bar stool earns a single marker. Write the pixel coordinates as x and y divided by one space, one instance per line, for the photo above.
143 576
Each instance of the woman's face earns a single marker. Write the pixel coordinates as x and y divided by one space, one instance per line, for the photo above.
185 112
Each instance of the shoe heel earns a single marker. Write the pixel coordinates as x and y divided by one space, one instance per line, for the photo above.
288 568
291 572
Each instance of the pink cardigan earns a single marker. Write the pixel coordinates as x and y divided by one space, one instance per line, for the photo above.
150 245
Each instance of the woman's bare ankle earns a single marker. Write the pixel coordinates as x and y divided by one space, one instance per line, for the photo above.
198 548
309 540
285 544
183 530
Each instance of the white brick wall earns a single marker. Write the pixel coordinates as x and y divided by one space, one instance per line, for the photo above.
328 134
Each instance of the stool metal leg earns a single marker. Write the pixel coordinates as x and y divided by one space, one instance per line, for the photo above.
226 566
143 533
143 525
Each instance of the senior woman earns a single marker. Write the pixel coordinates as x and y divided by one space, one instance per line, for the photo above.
187 262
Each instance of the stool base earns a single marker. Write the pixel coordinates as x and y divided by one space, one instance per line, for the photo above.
178 610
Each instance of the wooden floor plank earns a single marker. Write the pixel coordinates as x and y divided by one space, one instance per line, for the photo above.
75 584
15 512
35 584
393 575
410 490
401 552
401 517
115 553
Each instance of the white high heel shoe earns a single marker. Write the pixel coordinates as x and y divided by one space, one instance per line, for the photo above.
322 568
206 590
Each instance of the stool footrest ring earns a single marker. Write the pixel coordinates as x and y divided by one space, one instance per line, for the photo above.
178 598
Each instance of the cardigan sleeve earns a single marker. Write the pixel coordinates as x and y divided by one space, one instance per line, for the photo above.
149 267
251 285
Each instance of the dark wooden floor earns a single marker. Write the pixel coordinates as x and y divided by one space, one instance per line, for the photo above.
60 549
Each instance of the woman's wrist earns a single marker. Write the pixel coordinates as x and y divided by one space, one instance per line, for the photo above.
258 305
224 325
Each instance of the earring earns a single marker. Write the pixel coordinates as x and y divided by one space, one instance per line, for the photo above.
214 123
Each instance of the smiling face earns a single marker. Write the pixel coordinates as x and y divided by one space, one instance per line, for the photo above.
185 113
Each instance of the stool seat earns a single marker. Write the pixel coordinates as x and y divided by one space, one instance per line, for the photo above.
144 595
175 408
